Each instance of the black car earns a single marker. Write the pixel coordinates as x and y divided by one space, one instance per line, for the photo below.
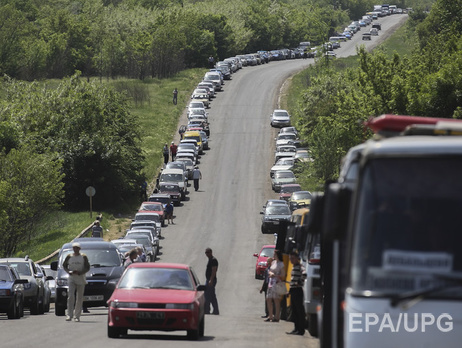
272 217
11 292
106 267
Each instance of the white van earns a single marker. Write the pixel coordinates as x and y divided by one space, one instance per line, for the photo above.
176 176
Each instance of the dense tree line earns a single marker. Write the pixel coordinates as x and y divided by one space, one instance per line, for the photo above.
426 83
152 38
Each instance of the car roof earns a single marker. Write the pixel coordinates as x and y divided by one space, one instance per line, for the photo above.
90 243
161 195
290 185
158 265
172 171
268 246
146 213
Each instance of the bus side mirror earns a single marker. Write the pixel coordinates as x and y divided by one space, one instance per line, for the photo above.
336 211
54 265
315 217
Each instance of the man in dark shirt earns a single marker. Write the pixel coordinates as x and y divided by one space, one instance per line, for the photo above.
297 280
97 230
211 282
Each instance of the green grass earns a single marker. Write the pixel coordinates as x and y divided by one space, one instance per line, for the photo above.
401 42
55 229
157 115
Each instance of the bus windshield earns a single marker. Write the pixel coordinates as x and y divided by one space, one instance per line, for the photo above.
406 232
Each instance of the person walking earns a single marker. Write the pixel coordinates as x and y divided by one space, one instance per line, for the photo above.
169 212
276 275
264 287
297 279
165 152
76 265
175 96
210 283
173 150
196 175
97 230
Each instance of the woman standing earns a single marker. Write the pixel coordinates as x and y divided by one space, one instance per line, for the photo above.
276 275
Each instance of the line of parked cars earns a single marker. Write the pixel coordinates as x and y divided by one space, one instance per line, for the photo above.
283 181
23 284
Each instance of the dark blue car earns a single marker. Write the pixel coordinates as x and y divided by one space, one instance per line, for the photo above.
11 292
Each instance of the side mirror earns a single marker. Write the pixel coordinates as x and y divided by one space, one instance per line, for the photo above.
336 211
201 288
261 213
49 278
255 254
54 265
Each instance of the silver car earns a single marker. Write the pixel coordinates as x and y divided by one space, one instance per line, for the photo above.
280 118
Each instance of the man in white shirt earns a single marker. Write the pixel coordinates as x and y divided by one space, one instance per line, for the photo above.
77 265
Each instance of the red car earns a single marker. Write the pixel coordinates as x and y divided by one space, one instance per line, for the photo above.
287 190
153 207
157 296
265 252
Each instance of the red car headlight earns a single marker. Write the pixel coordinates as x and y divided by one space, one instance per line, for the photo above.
180 306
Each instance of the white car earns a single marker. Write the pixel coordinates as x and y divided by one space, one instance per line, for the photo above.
201 95
282 164
280 118
284 151
286 139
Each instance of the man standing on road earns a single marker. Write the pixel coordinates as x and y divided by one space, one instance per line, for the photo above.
264 287
196 175
97 230
175 96
165 152
173 150
297 280
77 265
211 282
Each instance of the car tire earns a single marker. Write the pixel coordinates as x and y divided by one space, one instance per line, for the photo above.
313 325
193 334
113 332
256 275
21 308
13 311
60 309
46 307
41 306
202 327
35 307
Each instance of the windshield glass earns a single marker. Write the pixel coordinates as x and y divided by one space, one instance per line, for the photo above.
5 274
288 189
156 278
267 252
286 137
281 113
277 210
169 188
285 162
22 268
286 149
281 175
97 257
149 217
171 177
301 195
407 225
151 207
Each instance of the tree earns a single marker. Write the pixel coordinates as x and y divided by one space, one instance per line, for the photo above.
30 186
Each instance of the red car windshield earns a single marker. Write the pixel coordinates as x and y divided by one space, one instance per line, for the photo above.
156 278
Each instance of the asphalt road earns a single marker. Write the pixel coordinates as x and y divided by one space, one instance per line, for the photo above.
223 215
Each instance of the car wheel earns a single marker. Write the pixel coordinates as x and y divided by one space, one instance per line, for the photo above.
35 307
193 334
60 309
46 308
202 328
21 308
263 230
13 311
313 325
256 275
113 332
41 306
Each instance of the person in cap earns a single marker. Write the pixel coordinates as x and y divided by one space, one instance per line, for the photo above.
97 230
196 175
76 265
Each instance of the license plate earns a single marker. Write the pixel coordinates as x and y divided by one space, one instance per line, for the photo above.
150 315
93 298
